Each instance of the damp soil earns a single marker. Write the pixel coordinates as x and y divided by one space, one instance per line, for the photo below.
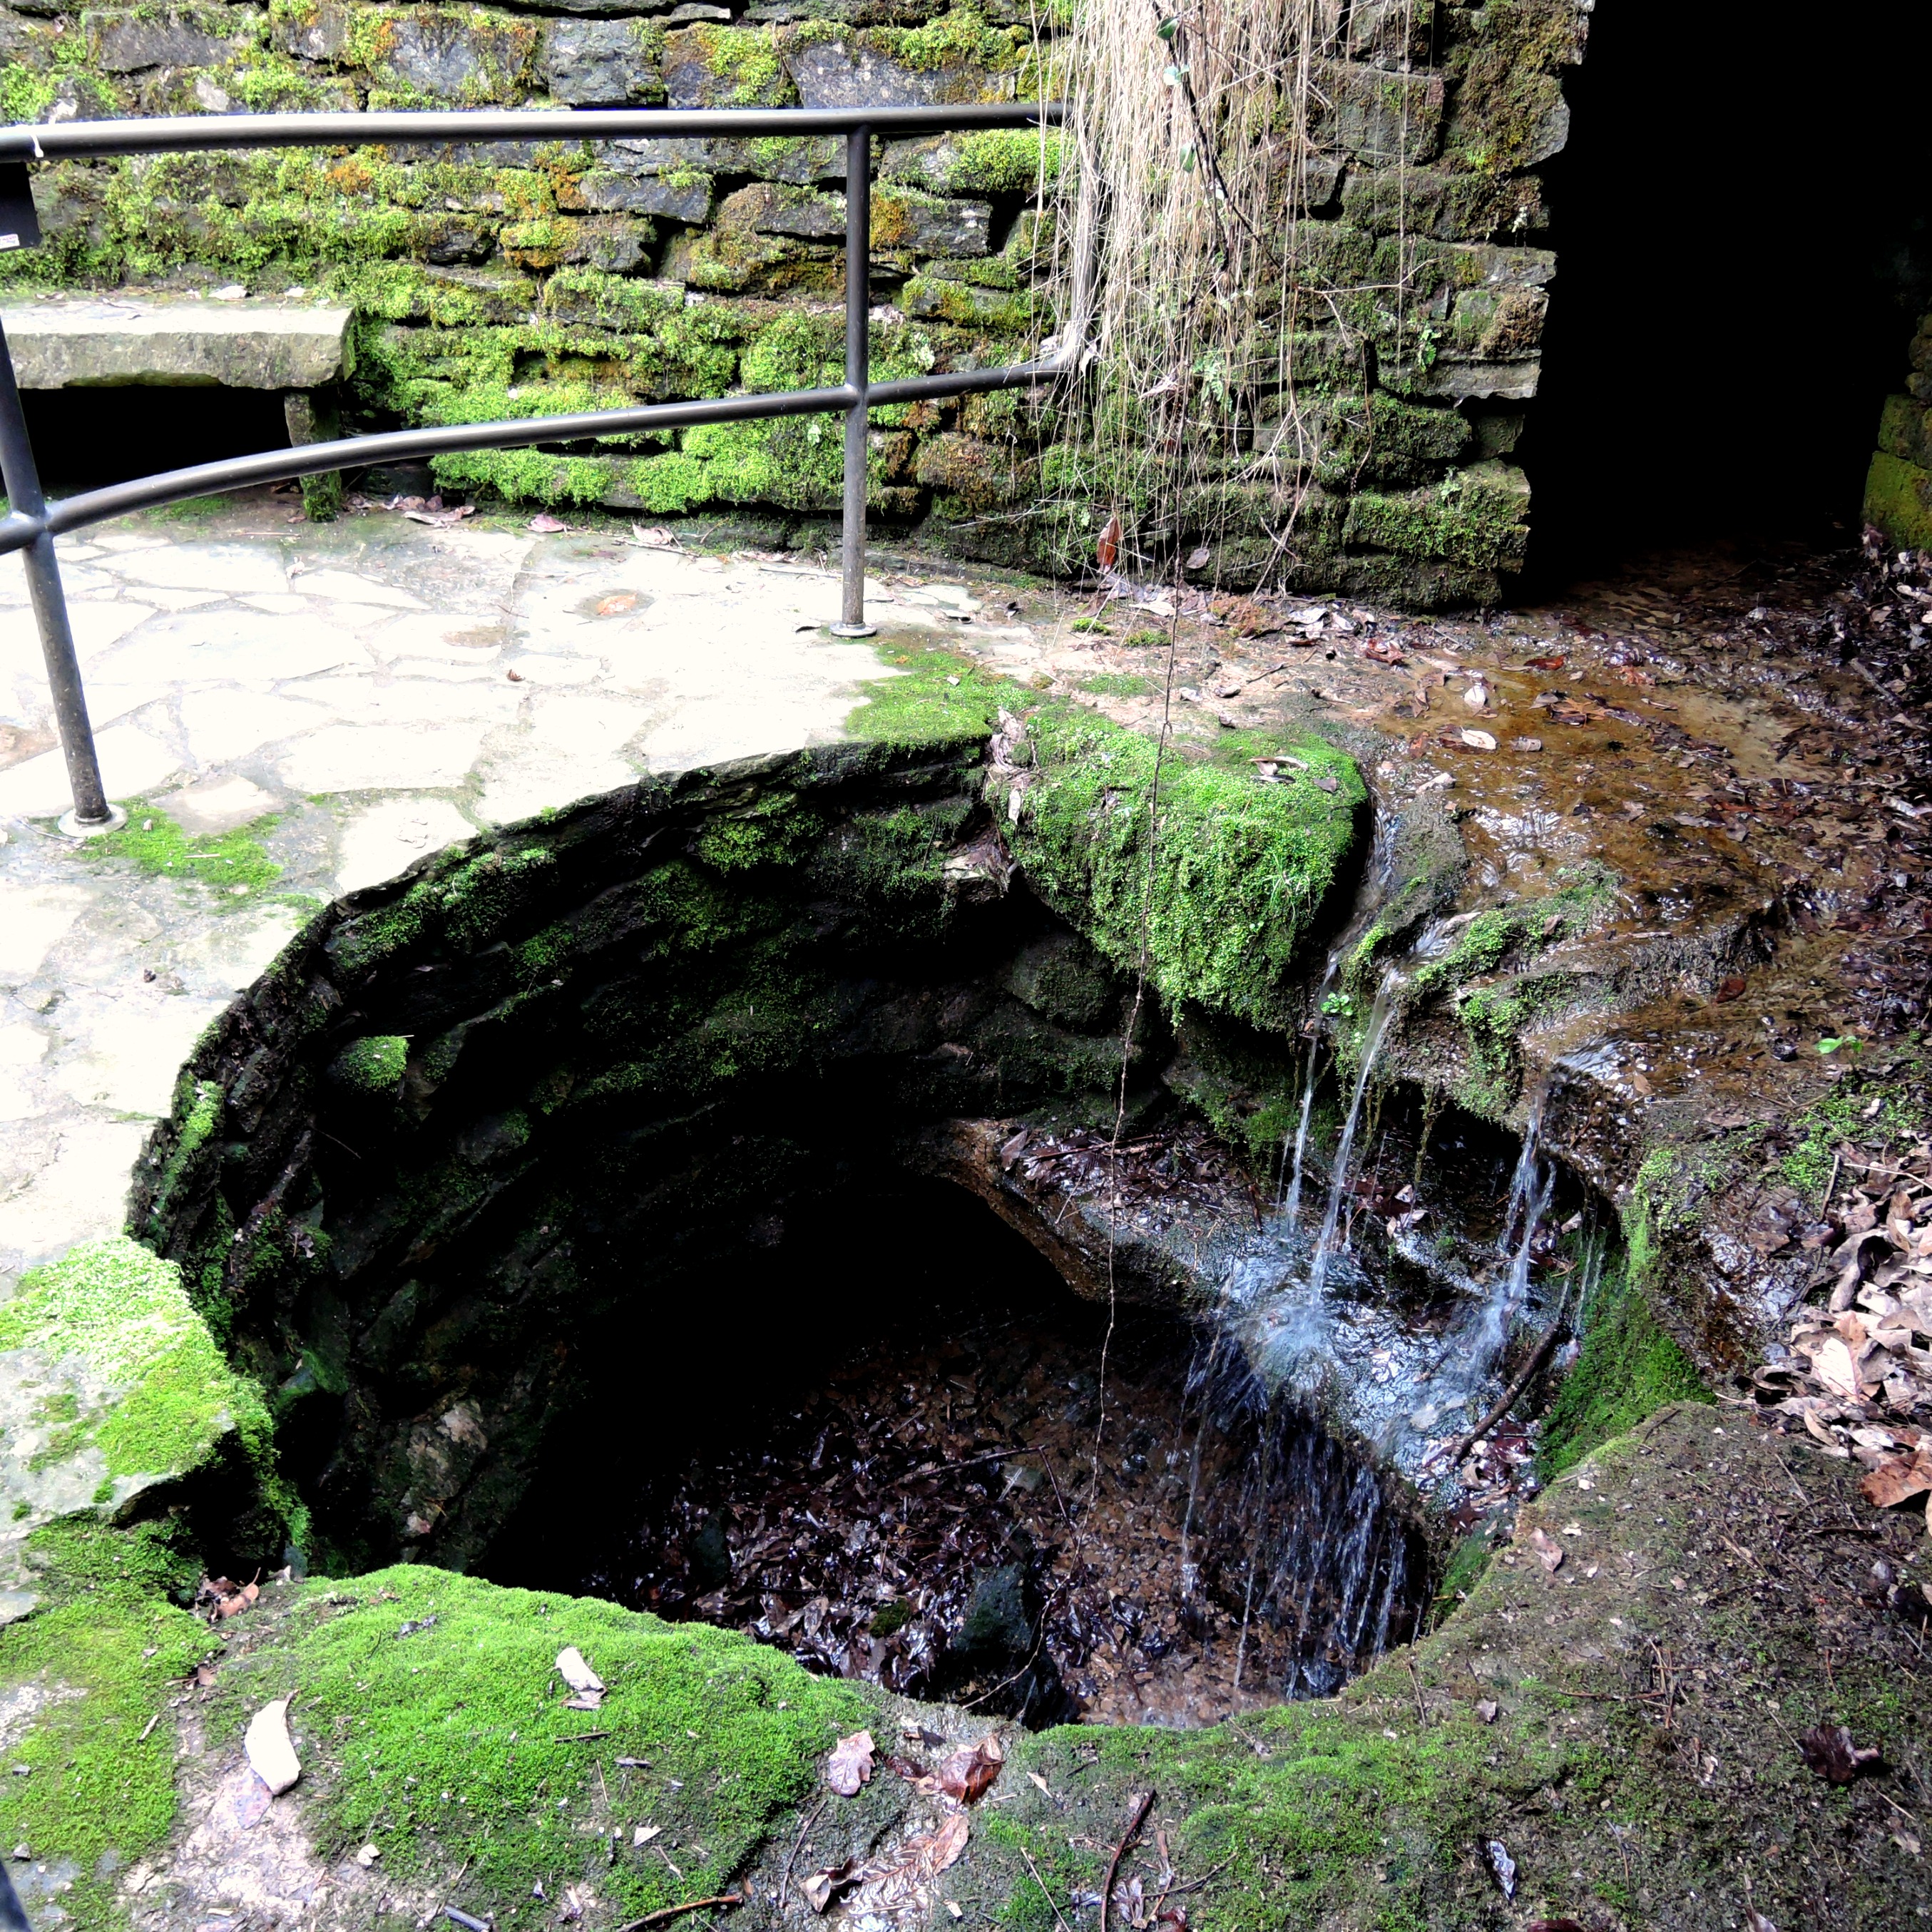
929 1465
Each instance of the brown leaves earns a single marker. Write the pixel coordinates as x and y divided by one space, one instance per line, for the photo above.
1384 650
616 604
1478 741
1548 1551
1827 1749
850 1765
965 1777
1897 1478
1107 550
895 1882
216 1598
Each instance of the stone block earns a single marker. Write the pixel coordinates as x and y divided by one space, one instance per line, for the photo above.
599 63
979 475
1479 518
1389 32
933 297
1898 501
1455 380
1445 207
837 73
717 66
1490 267
471 58
1490 325
1377 116
801 160
617 243
130 42
680 197
771 208
238 345
1905 430
998 161
928 226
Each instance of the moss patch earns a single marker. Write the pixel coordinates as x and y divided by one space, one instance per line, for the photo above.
1629 1368
124 1311
1217 883
934 698
235 864
435 1730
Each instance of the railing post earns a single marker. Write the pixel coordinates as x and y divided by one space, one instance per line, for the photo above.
91 812
858 377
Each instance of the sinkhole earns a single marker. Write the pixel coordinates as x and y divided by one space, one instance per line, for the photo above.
741 1197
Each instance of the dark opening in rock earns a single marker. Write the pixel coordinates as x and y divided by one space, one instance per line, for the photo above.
908 1454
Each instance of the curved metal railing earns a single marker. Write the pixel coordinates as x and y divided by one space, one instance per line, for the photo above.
32 524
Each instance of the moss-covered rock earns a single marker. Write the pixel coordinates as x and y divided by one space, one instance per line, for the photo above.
1192 867
114 1394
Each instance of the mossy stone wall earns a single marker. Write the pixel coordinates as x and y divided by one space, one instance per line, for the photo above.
1898 488
493 280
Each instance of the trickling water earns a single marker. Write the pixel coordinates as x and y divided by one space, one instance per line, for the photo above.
1523 1182
1338 1179
1293 1204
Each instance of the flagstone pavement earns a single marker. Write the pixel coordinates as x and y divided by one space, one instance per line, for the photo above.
377 688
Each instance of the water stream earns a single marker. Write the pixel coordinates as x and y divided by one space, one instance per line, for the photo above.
1338 1179
1291 1207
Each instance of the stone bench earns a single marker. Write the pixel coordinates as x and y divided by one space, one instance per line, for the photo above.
124 341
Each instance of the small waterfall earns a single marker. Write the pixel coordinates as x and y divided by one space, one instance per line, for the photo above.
1293 1203
1338 1179
1294 1537
1523 1183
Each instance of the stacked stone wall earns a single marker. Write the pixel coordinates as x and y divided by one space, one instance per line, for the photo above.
493 280
1898 489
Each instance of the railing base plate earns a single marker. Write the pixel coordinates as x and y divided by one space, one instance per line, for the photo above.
75 826
853 630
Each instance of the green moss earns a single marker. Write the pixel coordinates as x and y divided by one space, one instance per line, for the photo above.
1898 500
933 697
122 1310
451 1747
1628 1369
1218 893
1838 1117
775 831
1477 518
1117 684
99 1790
235 864
745 62
373 1065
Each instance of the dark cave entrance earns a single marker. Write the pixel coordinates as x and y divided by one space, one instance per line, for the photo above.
85 438
1743 248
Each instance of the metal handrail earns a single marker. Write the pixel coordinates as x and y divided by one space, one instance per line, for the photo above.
31 525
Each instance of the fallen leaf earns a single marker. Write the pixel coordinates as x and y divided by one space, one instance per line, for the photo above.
1730 987
617 604
1526 744
1486 1709
1480 741
1833 1366
967 1774
1477 695
1384 650
1548 1549
581 1679
1503 1865
1108 549
820 1887
1756 1922
1545 664
652 537
1896 1478
1034 1778
642 1834
850 1764
544 524
1827 1749
1198 558
441 519
270 1752
367 1855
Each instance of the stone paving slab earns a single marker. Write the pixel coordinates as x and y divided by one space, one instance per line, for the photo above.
107 343
363 693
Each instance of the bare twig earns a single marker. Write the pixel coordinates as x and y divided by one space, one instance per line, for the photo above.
1127 1838
1421 1709
665 1913
791 1857
1044 1893
1507 1401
